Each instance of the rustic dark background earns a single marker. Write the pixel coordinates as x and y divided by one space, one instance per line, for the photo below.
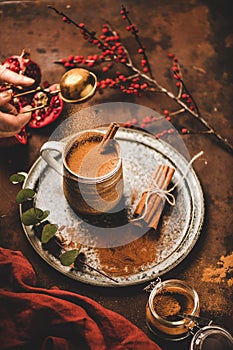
200 34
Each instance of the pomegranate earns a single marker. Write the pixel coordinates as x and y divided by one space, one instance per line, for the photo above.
52 110
20 138
53 103
24 65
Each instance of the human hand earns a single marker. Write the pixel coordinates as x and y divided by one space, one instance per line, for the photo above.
11 122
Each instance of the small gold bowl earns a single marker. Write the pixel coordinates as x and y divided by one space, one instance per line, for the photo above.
78 84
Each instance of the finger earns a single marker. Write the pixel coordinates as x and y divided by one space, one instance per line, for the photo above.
11 125
9 109
5 96
26 111
14 78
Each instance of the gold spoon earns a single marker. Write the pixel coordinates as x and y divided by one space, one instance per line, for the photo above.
76 85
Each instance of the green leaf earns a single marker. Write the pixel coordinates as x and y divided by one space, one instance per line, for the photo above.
44 215
16 178
48 232
69 257
33 216
24 195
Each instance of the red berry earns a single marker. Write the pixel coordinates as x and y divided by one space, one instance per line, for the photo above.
177 76
122 77
143 62
104 69
147 119
70 58
164 132
171 55
143 86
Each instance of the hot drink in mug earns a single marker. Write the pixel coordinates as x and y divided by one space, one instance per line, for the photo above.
92 171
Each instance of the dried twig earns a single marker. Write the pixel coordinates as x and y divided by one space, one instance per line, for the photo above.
139 79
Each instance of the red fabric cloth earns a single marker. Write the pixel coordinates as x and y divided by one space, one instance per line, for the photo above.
48 319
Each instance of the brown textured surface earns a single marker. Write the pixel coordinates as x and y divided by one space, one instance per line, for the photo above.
199 32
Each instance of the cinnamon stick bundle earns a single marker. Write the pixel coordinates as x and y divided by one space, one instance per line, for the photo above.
162 177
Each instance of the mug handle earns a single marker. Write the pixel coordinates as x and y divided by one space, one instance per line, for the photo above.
45 152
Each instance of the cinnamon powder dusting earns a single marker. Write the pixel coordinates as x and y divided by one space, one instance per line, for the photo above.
221 272
130 258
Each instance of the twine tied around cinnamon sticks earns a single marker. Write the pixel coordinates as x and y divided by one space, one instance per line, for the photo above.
150 206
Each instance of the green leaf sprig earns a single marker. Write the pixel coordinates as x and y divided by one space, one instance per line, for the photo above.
32 216
35 216
47 231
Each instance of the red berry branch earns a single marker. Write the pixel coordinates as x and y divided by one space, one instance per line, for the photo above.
138 80
142 50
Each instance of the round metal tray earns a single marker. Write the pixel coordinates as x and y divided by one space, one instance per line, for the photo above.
179 228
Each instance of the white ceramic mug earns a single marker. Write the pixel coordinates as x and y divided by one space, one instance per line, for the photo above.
86 195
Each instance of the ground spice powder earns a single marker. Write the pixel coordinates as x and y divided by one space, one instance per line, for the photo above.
171 302
221 272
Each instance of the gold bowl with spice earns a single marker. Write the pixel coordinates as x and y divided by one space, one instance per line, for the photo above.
168 302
